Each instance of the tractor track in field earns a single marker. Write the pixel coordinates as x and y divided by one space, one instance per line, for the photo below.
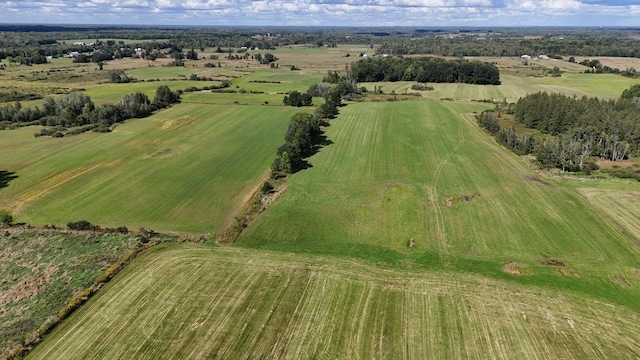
52 154
433 193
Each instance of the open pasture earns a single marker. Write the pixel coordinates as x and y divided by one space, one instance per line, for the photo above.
111 93
208 97
316 59
199 302
621 63
161 72
513 87
420 170
522 67
281 80
183 169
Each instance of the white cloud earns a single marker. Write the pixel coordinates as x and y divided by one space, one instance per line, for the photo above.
530 5
328 12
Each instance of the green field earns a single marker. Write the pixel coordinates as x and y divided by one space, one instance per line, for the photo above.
508 262
183 169
513 87
277 81
161 72
112 93
520 267
368 194
202 302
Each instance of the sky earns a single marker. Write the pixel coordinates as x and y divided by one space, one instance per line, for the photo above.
326 12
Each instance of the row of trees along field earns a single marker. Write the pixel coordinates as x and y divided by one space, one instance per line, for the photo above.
304 129
576 128
427 69
76 113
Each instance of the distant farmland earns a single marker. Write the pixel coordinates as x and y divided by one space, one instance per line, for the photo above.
513 87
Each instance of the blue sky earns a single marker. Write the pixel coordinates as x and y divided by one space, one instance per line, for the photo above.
326 12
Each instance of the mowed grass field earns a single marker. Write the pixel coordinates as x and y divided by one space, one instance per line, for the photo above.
505 264
421 170
513 87
183 169
202 302
112 93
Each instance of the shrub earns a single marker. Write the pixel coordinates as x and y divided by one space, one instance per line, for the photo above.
5 218
266 187
79 225
17 353
590 167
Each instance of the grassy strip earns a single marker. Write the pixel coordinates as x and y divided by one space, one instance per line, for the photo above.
260 199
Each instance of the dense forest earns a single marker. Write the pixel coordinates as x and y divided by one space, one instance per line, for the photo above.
427 69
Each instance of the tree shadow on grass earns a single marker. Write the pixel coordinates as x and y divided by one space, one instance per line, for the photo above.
6 177
319 141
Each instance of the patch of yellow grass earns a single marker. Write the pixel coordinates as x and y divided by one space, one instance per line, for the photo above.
48 184
177 123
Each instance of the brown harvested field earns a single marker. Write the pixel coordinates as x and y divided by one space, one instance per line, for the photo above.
621 63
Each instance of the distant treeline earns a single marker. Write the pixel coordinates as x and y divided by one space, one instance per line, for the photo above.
423 70
76 113
495 46
576 128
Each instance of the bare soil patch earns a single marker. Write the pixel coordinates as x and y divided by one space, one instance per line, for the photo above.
538 180
636 273
452 200
511 268
514 269
548 260
569 272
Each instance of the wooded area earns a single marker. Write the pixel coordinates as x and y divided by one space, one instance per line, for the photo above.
427 69
577 128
